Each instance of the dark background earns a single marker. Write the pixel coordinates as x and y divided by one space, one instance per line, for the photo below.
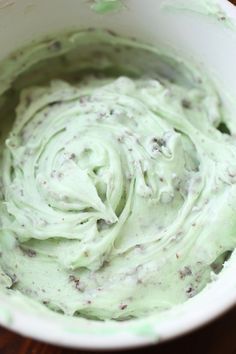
218 337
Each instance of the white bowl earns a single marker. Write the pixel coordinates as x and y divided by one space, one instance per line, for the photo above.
204 36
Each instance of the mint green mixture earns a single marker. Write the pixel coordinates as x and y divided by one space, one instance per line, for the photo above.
210 8
106 6
118 177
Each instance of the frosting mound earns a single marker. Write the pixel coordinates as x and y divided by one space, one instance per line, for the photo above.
118 197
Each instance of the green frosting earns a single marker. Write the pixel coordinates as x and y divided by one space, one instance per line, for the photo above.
106 6
211 8
118 191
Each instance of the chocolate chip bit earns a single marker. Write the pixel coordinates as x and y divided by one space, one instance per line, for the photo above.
118 194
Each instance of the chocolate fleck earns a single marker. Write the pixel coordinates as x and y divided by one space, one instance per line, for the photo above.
186 104
55 46
28 251
123 306
185 272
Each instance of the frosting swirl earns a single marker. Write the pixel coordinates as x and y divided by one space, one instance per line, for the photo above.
118 194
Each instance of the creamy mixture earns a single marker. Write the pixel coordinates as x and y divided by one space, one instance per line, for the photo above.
105 6
118 191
